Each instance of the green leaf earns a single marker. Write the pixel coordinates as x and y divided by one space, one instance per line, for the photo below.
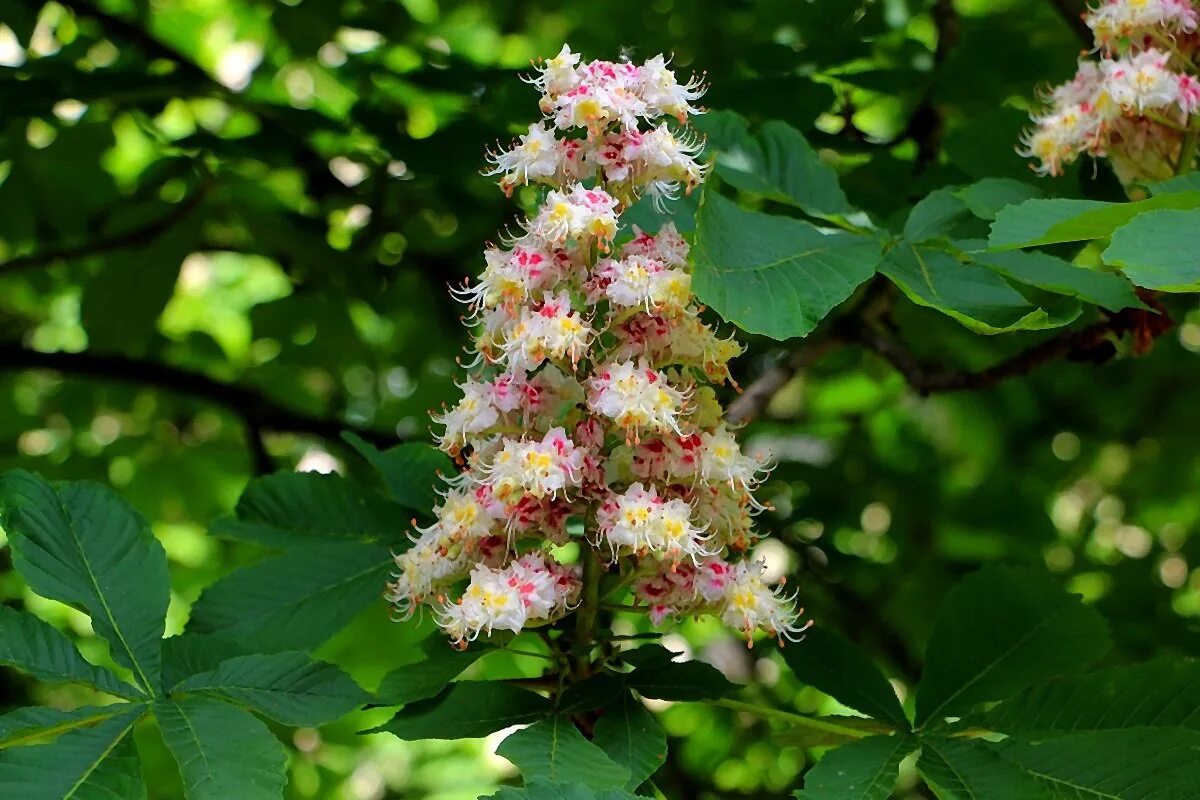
409 471
96 763
631 736
1160 694
467 710
774 275
1133 764
296 600
778 164
1000 631
192 653
306 508
659 677
973 295
935 215
84 546
289 688
1038 222
1159 250
222 751
554 750
545 790
865 769
986 198
38 648
35 723
1044 271
428 677
972 769
593 692
831 663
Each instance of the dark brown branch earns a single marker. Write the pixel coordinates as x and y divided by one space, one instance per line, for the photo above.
1072 14
131 238
1089 344
1084 344
260 413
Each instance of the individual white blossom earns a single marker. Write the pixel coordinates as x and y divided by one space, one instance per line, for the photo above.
542 468
636 397
639 520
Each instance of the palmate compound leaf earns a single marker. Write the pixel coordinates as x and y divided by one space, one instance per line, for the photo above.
92 763
1039 222
936 215
1001 630
659 676
973 295
36 647
777 164
988 197
1159 250
289 688
831 663
632 737
774 275
426 678
289 509
973 769
553 749
190 654
409 471
865 769
81 544
467 710
1044 271
40 723
1130 764
1159 694
223 752
295 600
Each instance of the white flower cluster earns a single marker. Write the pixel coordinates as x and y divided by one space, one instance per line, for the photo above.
1137 104
588 403
1115 21
608 100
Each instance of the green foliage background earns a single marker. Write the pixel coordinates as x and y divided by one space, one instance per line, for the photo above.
288 235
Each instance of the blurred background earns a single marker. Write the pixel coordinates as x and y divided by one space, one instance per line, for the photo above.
226 232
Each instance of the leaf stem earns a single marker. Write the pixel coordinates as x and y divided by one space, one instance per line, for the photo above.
792 717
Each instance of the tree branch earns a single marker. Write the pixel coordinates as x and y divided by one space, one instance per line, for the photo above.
260 412
131 238
1082 344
